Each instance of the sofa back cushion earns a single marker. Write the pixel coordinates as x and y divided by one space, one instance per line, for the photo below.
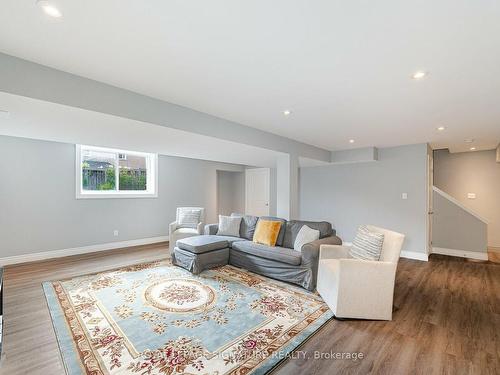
281 235
293 228
247 226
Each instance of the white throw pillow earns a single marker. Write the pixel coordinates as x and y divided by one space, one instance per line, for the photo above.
189 218
367 245
229 226
305 235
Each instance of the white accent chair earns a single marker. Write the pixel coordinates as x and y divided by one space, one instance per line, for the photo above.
360 289
177 232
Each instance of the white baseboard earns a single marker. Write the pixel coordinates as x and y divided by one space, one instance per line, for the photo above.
415 255
460 253
33 257
405 254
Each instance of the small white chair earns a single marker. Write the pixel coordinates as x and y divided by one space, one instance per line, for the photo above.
355 288
178 230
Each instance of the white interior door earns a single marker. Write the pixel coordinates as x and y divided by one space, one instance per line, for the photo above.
257 191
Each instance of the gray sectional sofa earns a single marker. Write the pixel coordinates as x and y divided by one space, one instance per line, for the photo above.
281 262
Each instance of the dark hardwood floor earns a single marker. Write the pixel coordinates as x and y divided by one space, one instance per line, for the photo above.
446 320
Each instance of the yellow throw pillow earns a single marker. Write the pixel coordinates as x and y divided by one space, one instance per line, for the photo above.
267 232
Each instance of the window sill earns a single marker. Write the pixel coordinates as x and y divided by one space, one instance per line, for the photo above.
115 195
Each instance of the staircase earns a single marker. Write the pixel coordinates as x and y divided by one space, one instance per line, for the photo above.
456 230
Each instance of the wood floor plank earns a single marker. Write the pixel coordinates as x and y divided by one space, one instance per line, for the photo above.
446 320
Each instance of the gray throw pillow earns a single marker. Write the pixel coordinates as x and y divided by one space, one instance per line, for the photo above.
367 245
229 226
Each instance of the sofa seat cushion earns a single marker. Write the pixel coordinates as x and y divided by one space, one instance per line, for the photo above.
278 254
202 244
186 231
230 239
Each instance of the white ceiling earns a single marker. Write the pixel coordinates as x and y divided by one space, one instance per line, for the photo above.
342 67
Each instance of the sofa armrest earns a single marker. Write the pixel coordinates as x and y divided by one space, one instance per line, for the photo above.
211 228
367 268
358 288
334 252
376 283
172 227
310 251
377 276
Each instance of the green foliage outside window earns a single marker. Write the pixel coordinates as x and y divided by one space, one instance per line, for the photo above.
105 179
132 181
110 182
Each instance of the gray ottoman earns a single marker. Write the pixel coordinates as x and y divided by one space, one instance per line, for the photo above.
200 253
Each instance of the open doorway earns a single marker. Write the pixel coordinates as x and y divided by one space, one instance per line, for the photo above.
230 192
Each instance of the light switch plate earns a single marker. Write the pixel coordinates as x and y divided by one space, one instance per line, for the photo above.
471 195
404 195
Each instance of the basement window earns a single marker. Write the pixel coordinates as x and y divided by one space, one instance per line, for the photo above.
111 173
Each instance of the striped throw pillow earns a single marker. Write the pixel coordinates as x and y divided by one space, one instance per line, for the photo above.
367 245
189 218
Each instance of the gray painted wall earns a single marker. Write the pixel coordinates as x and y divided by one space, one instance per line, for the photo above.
273 194
349 195
230 192
38 213
287 185
455 228
355 155
472 172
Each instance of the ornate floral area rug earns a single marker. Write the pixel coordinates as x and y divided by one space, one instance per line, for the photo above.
156 318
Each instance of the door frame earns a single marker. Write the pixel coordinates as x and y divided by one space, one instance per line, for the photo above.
430 198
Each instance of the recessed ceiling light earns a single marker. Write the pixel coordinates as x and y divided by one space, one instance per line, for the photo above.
419 75
473 149
49 9
470 140
351 140
441 128
287 112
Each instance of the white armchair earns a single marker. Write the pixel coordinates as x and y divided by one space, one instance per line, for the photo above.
355 288
179 229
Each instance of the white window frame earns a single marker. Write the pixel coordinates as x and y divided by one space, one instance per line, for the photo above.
151 176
